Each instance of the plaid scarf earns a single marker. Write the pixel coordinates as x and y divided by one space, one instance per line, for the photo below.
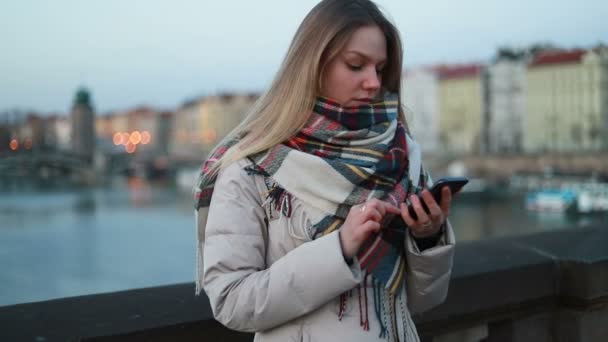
344 156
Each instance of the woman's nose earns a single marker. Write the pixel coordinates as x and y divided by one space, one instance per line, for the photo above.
372 80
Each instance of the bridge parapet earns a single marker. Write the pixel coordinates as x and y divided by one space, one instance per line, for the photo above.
550 286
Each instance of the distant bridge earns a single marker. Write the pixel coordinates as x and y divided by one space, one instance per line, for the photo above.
40 163
53 164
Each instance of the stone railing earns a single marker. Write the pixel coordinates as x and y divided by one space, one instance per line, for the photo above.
550 286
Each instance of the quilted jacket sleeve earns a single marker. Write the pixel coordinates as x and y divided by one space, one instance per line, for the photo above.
429 271
245 293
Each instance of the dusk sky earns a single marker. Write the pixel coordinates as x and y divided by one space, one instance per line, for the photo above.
160 53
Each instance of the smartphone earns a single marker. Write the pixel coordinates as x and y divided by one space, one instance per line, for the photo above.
454 183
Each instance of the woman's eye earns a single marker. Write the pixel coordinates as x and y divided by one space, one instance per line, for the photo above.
354 67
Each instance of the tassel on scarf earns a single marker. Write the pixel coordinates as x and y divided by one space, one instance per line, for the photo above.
377 288
342 306
276 195
366 320
386 305
409 328
363 315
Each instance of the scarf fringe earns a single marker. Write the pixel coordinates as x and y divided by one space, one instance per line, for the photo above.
409 328
199 270
386 305
377 288
276 195
199 261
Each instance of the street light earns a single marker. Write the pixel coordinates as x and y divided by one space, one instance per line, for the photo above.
14 145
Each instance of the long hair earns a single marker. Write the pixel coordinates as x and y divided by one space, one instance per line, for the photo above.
282 111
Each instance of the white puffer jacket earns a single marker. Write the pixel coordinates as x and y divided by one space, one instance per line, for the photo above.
273 279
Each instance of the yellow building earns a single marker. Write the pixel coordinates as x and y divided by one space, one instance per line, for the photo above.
202 123
566 102
145 128
460 108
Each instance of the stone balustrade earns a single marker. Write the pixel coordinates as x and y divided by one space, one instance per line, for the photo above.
549 286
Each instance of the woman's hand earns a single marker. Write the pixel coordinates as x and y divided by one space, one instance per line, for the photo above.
363 220
427 224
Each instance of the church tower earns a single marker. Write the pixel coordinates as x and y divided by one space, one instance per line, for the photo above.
83 125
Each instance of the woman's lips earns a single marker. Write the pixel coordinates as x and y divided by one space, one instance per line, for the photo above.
362 101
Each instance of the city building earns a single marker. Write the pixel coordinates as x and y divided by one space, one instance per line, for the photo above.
82 118
460 108
201 123
59 132
7 131
164 132
104 126
419 95
5 137
12 124
33 132
143 130
145 121
506 103
567 102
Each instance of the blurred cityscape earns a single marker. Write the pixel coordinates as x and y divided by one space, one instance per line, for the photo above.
142 141
527 110
530 101
96 202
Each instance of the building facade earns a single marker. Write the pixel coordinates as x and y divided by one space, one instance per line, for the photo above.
460 108
419 95
60 132
506 105
567 102
142 130
201 124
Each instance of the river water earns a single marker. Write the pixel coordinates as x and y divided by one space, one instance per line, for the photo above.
133 234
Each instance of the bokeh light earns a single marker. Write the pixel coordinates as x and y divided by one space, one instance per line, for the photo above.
117 138
125 138
14 145
135 138
130 147
145 137
209 135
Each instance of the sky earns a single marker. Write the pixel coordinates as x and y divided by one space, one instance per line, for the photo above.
161 53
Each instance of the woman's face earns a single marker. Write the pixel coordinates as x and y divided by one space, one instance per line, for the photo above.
354 76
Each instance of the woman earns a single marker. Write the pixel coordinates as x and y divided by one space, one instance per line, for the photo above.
303 233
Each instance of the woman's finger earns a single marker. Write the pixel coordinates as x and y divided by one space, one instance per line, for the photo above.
370 227
434 209
381 207
390 209
378 205
405 215
372 213
417 205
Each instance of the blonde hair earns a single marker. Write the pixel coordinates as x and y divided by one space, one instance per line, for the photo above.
283 110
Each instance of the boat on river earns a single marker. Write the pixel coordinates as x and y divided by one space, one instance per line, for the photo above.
575 198
550 200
